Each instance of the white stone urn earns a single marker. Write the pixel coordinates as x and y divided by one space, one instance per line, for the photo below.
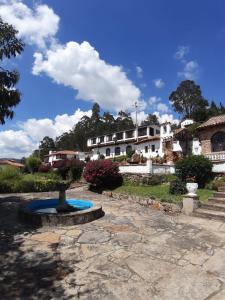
192 188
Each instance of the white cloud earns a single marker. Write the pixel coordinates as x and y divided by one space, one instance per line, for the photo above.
154 100
166 118
159 83
74 65
190 71
18 143
79 66
181 52
15 143
162 107
141 116
36 27
139 71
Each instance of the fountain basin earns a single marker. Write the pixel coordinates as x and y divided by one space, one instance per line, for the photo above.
44 213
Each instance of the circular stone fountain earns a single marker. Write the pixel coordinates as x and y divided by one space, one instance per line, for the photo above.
58 212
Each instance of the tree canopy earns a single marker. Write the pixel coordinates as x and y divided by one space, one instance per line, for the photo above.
187 100
10 46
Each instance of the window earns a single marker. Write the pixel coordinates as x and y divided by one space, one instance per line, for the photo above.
129 134
153 148
101 139
107 152
119 136
218 142
146 149
151 131
109 138
93 141
117 151
164 129
157 131
142 131
128 149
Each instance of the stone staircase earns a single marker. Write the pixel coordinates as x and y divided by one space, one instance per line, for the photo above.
214 208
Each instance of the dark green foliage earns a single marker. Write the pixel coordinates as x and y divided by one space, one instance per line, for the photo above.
33 163
150 120
10 46
196 166
13 181
177 187
76 169
46 145
187 99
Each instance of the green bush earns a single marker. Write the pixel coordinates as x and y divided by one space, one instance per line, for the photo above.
216 183
76 169
33 163
120 158
35 185
196 166
170 177
9 173
177 187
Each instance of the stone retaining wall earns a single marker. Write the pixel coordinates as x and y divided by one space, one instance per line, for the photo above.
144 201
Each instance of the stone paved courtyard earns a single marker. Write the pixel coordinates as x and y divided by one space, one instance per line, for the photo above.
133 252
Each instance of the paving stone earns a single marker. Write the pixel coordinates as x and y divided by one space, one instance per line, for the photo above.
215 264
74 232
94 237
48 237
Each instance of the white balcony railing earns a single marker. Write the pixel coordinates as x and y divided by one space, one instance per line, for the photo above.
216 156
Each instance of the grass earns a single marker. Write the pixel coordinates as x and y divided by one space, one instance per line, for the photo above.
159 192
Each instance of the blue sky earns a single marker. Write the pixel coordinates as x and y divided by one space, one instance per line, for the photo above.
115 52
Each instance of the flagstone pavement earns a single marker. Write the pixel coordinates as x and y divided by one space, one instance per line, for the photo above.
133 252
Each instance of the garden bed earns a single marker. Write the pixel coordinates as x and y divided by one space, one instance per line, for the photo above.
159 192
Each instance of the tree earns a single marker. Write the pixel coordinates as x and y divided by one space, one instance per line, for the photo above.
187 100
46 145
150 120
33 163
10 46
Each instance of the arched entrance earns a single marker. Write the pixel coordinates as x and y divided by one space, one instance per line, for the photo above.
128 149
218 142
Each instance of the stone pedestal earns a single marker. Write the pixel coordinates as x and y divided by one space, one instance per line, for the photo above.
190 203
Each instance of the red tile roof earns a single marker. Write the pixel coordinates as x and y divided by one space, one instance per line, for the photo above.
11 163
66 152
213 121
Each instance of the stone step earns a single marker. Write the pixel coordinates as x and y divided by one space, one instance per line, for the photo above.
213 206
221 189
216 200
209 214
219 195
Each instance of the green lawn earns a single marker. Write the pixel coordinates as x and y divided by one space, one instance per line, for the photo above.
159 192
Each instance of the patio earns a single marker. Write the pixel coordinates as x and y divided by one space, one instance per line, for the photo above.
132 252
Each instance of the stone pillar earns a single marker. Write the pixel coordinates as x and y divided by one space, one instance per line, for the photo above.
190 203
149 166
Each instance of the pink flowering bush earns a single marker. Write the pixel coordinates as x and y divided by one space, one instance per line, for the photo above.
103 173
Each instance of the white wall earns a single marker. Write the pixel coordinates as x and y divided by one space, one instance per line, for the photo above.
219 167
148 168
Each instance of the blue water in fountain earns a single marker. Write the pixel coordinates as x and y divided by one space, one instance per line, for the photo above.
49 205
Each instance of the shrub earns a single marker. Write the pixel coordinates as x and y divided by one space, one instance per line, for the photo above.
196 166
170 177
27 185
70 169
177 187
120 158
103 173
9 173
76 169
216 183
33 163
130 152
44 168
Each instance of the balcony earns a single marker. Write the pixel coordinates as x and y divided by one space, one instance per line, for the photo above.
216 156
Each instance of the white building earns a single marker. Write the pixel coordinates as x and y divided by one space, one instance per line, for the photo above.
144 140
55 156
149 141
